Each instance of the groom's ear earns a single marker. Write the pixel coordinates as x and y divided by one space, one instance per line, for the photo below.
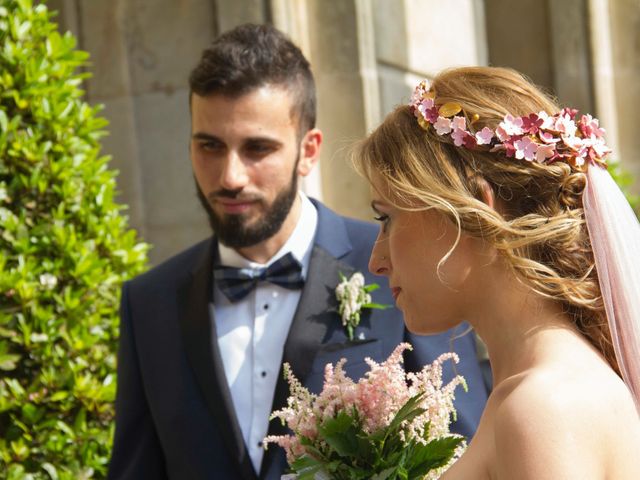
309 151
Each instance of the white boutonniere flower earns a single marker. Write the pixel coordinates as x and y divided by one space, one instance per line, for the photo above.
353 296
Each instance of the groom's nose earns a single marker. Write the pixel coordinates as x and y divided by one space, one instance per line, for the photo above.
234 174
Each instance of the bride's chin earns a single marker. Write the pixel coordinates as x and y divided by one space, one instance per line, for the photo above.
424 326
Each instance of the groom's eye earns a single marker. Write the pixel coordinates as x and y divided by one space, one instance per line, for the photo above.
211 146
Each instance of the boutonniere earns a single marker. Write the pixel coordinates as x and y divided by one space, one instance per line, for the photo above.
353 296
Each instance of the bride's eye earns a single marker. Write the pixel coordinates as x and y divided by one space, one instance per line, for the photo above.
383 219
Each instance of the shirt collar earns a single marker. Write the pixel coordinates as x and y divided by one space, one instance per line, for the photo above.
299 242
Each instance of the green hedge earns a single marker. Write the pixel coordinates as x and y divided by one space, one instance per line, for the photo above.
65 248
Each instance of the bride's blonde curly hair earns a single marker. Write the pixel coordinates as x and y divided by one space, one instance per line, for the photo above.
540 228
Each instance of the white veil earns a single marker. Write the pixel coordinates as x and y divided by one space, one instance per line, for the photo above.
615 238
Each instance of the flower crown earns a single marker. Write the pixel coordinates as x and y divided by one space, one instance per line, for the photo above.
536 137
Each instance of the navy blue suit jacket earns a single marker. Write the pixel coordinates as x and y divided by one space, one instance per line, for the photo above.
174 414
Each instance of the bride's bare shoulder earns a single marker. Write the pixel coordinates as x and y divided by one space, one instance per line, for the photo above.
551 423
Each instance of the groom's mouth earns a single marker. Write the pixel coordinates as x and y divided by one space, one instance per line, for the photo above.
234 206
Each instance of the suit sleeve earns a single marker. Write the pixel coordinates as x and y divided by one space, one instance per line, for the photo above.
136 453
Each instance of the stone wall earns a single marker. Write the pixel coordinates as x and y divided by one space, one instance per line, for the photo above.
366 54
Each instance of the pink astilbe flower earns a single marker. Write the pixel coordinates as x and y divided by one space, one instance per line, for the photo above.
373 401
298 416
383 390
339 392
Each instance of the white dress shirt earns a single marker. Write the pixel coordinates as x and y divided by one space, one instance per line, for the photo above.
252 333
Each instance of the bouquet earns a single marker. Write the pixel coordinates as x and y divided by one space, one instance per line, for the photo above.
389 425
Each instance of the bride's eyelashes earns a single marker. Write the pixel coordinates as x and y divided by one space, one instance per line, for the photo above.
383 220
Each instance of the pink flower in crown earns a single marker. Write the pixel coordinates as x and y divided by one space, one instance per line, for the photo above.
532 123
432 114
569 112
510 126
565 125
510 150
600 147
544 152
469 141
525 148
590 126
575 143
579 160
547 137
418 93
425 104
442 126
547 121
484 136
458 137
459 125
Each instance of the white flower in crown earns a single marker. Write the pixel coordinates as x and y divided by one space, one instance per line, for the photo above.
353 295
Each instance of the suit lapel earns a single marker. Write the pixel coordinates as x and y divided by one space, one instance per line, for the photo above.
199 334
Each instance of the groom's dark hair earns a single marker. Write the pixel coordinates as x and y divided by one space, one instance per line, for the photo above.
251 56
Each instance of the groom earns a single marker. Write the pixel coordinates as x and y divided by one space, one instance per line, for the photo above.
203 336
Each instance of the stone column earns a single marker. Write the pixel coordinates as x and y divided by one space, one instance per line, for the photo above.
141 54
624 27
334 53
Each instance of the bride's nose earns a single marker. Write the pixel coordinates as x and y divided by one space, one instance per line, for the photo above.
379 262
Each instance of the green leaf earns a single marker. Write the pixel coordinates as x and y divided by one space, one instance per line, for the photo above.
434 454
306 467
51 470
57 344
383 475
341 434
407 412
378 306
4 122
8 361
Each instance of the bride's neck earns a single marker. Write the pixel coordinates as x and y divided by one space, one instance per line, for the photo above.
517 325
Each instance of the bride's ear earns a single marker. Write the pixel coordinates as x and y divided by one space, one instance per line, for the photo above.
485 192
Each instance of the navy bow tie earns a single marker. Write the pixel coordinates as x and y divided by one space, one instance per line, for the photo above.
237 283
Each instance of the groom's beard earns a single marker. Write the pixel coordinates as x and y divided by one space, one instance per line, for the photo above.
234 231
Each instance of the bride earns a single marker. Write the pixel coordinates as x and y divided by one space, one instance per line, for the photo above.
496 208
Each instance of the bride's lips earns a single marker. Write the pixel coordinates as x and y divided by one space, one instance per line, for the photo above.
395 291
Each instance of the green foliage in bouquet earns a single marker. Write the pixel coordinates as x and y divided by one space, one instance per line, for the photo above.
352 454
65 248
